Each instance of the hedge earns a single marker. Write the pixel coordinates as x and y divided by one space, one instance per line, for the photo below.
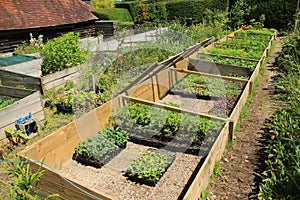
163 11
178 9
120 14
280 14
130 6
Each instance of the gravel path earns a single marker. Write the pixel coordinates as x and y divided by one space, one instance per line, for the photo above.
110 179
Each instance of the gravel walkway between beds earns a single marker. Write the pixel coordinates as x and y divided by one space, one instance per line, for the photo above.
110 179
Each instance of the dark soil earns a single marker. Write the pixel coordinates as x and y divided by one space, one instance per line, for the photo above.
243 161
224 105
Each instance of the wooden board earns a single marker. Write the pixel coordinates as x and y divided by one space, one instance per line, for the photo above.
15 92
87 125
201 180
209 75
54 183
13 79
21 108
32 67
171 108
47 147
218 68
59 79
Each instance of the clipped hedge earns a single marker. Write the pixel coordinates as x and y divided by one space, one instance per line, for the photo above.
280 14
157 12
120 14
130 6
178 9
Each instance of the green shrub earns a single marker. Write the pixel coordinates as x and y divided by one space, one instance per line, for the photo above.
61 53
130 6
98 4
178 10
278 14
120 14
153 14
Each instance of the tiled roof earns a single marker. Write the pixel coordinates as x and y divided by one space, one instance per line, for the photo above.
23 14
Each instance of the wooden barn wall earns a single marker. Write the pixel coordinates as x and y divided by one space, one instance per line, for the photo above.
10 39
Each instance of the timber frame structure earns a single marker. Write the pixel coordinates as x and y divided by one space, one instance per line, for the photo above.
59 145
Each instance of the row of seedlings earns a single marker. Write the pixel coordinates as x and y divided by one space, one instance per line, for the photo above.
244 49
165 127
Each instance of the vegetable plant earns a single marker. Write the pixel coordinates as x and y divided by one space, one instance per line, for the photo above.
116 135
23 181
230 61
206 86
150 166
94 149
99 149
5 101
143 121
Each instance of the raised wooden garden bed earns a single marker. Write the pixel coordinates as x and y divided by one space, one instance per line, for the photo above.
26 101
182 178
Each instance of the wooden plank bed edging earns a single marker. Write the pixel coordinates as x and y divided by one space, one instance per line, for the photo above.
53 183
15 92
58 79
210 75
201 180
13 79
21 108
172 108
218 68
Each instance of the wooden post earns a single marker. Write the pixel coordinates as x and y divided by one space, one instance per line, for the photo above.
231 131
250 86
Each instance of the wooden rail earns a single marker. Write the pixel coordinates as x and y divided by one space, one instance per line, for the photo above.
172 108
210 75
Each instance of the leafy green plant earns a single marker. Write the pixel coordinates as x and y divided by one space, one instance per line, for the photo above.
142 120
237 62
206 86
150 165
116 135
23 182
282 175
67 97
99 149
95 148
61 53
5 101
244 53
34 45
